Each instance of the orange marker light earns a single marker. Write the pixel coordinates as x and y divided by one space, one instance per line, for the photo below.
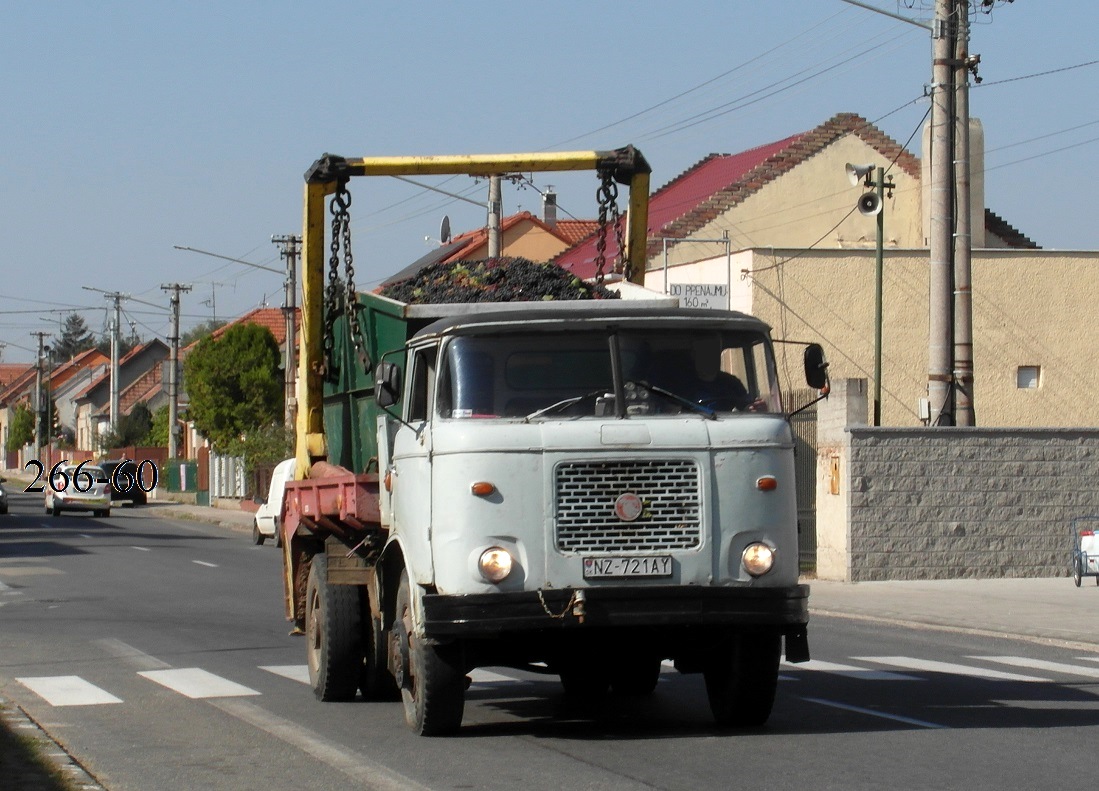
482 488
768 483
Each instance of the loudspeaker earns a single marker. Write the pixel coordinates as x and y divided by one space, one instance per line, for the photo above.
869 204
856 173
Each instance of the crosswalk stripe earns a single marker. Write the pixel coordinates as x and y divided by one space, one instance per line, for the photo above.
481 676
298 673
197 683
67 691
932 666
850 671
1041 664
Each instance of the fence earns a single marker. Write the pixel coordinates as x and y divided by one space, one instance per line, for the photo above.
947 503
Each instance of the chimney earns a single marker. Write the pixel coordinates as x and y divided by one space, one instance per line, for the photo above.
549 207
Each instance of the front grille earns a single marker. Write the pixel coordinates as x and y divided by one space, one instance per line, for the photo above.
586 494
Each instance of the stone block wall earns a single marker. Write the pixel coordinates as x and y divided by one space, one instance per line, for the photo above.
947 503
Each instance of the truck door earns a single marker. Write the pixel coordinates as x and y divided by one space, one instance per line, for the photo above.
411 458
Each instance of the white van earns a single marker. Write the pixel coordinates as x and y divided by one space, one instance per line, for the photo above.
265 525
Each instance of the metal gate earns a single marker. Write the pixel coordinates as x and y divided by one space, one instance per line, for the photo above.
804 425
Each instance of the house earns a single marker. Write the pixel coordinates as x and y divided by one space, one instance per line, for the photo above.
800 256
60 384
138 372
522 235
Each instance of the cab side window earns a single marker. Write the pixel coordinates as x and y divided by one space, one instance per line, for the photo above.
422 385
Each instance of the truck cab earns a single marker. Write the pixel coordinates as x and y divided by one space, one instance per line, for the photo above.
612 484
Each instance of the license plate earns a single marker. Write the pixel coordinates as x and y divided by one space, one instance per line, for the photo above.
647 566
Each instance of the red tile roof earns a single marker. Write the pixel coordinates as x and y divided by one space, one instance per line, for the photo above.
721 181
568 231
271 318
9 372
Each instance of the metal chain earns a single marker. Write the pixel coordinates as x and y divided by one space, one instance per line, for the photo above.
605 197
340 220
351 300
573 601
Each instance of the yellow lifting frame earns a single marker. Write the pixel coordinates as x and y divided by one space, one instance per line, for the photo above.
626 165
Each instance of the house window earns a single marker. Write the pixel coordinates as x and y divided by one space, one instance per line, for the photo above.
1028 377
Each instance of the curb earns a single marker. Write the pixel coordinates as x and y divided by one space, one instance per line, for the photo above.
52 754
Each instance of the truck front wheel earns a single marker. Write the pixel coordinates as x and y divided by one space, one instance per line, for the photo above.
431 677
332 630
741 678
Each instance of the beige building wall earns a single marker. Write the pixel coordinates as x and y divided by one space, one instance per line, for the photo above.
1032 309
813 204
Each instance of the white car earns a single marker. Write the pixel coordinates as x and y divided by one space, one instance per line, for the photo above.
79 487
265 524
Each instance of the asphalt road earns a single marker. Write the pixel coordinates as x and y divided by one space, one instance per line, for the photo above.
156 652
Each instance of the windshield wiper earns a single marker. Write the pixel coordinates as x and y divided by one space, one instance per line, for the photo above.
706 412
567 402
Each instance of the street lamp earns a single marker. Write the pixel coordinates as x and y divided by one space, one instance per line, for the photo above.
869 205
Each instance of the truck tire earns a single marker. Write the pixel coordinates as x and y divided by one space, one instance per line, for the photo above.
375 680
741 678
332 633
636 675
584 677
433 685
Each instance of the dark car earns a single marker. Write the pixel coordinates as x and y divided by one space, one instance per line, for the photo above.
135 494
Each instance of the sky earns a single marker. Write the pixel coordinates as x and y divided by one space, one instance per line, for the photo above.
133 128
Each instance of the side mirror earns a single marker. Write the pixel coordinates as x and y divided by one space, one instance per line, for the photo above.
816 367
387 384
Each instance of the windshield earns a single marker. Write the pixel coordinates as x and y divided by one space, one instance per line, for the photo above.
662 372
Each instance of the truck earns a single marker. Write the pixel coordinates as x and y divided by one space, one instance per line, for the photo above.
589 488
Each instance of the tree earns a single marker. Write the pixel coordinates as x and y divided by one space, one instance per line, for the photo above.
234 384
132 429
262 445
125 344
21 430
199 331
158 434
75 338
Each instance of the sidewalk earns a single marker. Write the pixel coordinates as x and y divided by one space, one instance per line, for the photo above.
1052 609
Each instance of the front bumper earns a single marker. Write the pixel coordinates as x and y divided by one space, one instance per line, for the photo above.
492 614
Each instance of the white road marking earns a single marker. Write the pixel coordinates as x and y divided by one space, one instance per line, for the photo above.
67 691
197 683
1041 664
292 672
851 671
883 715
372 775
482 676
204 563
931 666
142 549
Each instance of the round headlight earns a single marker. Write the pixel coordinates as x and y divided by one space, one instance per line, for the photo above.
495 564
758 558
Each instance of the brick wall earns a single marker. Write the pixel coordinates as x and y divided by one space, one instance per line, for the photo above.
919 503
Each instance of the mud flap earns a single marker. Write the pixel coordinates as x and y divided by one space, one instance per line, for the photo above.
797 645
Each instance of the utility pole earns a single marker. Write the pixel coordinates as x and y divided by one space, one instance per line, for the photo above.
38 395
173 371
941 242
289 249
963 232
495 209
117 297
